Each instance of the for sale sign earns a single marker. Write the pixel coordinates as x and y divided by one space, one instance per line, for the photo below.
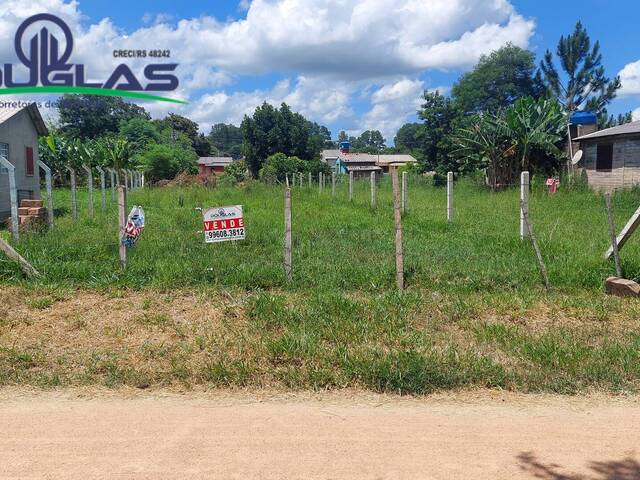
223 223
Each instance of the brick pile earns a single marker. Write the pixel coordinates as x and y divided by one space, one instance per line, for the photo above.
31 211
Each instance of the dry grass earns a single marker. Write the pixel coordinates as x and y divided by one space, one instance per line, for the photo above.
413 343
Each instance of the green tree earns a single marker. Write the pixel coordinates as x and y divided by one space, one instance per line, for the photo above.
140 133
612 121
165 161
584 83
270 130
202 146
227 139
408 138
442 118
498 80
342 136
178 124
91 116
534 124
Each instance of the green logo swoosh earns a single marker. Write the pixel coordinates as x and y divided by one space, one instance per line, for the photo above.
89 91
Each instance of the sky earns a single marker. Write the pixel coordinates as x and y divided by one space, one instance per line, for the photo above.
348 64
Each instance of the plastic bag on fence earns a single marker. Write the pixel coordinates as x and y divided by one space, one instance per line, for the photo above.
134 228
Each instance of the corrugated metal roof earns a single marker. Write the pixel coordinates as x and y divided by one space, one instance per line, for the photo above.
358 158
626 129
34 114
396 158
7 113
215 161
330 154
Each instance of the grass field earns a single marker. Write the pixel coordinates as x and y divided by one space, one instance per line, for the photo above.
185 313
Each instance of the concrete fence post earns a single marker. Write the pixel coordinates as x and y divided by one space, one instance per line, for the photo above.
350 186
333 184
74 199
524 204
103 193
373 189
287 235
320 182
122 224
13 197
47 175
309 179
450 197
89 189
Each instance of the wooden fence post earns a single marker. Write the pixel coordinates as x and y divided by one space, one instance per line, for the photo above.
333 184
103 193
524 204
287 235
26 267
404 192
450 197
89 189
536 248
13 198
612 233
397 217
74 200
351 186
373 189
48 183
122 223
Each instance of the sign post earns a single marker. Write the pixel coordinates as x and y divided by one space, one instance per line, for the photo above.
222 224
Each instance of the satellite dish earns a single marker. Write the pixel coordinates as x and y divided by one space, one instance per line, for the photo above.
576 158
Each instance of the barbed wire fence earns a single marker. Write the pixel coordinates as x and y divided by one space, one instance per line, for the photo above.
370 191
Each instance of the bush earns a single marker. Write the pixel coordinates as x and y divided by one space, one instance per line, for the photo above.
164 161
234 173
278 166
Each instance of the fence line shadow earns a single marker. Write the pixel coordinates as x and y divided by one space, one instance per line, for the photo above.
624 469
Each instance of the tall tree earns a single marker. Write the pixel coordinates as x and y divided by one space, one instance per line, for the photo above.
92 116
271 130
177 123
497 81
584 83
408 137
227 139
441 117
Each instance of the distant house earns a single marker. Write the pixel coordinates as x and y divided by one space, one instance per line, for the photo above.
19 132
330 157
362 164
611 157
394 160
213 165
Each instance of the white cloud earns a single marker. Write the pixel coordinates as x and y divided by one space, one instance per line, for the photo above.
635 115
630 79
392 105
334 50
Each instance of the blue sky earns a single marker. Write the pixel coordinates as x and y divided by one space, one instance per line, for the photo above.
349 64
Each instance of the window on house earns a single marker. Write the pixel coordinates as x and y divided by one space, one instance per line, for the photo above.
4 152
604 158
29 167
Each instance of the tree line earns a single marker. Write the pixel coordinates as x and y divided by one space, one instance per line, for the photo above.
507 114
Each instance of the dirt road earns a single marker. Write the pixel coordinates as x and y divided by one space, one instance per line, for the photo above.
332 436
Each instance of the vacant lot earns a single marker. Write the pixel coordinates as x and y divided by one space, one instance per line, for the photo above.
186 314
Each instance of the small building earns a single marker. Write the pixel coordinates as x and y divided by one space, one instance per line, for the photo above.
330 157
213 165
362 164
611 157
395 160
19 132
